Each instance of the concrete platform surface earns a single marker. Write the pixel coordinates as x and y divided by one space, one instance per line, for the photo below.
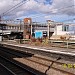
64 51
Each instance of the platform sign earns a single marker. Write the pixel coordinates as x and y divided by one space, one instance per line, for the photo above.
38 34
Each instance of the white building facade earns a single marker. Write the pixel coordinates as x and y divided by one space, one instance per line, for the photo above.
64 29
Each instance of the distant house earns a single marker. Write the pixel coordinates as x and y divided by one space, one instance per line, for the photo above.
62 29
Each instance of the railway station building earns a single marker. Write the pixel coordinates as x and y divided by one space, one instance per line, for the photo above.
50 29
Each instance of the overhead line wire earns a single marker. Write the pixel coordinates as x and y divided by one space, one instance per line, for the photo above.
14 7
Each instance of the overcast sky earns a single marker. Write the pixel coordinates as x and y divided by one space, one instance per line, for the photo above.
39 10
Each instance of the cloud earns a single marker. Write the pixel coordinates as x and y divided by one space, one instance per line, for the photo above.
38 6
48 7
57 6
47 17
64 7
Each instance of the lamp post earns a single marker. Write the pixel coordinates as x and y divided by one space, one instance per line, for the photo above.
56 29
2 33
20 28
48 31
49 23
31 29
20 24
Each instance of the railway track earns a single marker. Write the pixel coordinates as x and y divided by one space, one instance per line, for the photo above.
54 64
9 55
13 68
4 71
16 53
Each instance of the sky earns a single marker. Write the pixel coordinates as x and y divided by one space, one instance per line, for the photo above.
39 10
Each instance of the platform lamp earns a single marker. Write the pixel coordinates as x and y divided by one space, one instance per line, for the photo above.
48 33
1 28
2 33
20 27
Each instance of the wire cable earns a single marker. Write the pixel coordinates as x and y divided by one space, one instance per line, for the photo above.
13 8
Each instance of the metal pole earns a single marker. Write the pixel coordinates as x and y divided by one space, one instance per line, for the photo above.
31 29
20 31
20 24
2 33
48 32
67 43
56 29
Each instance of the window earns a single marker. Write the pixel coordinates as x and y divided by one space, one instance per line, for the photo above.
65 28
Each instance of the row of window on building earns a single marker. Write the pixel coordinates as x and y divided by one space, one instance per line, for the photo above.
68 28
9 27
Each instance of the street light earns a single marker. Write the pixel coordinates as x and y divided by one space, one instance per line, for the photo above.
31 29
20 28
20 24
2 33
49 23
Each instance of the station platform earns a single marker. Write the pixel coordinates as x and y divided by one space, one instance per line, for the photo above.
39 50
